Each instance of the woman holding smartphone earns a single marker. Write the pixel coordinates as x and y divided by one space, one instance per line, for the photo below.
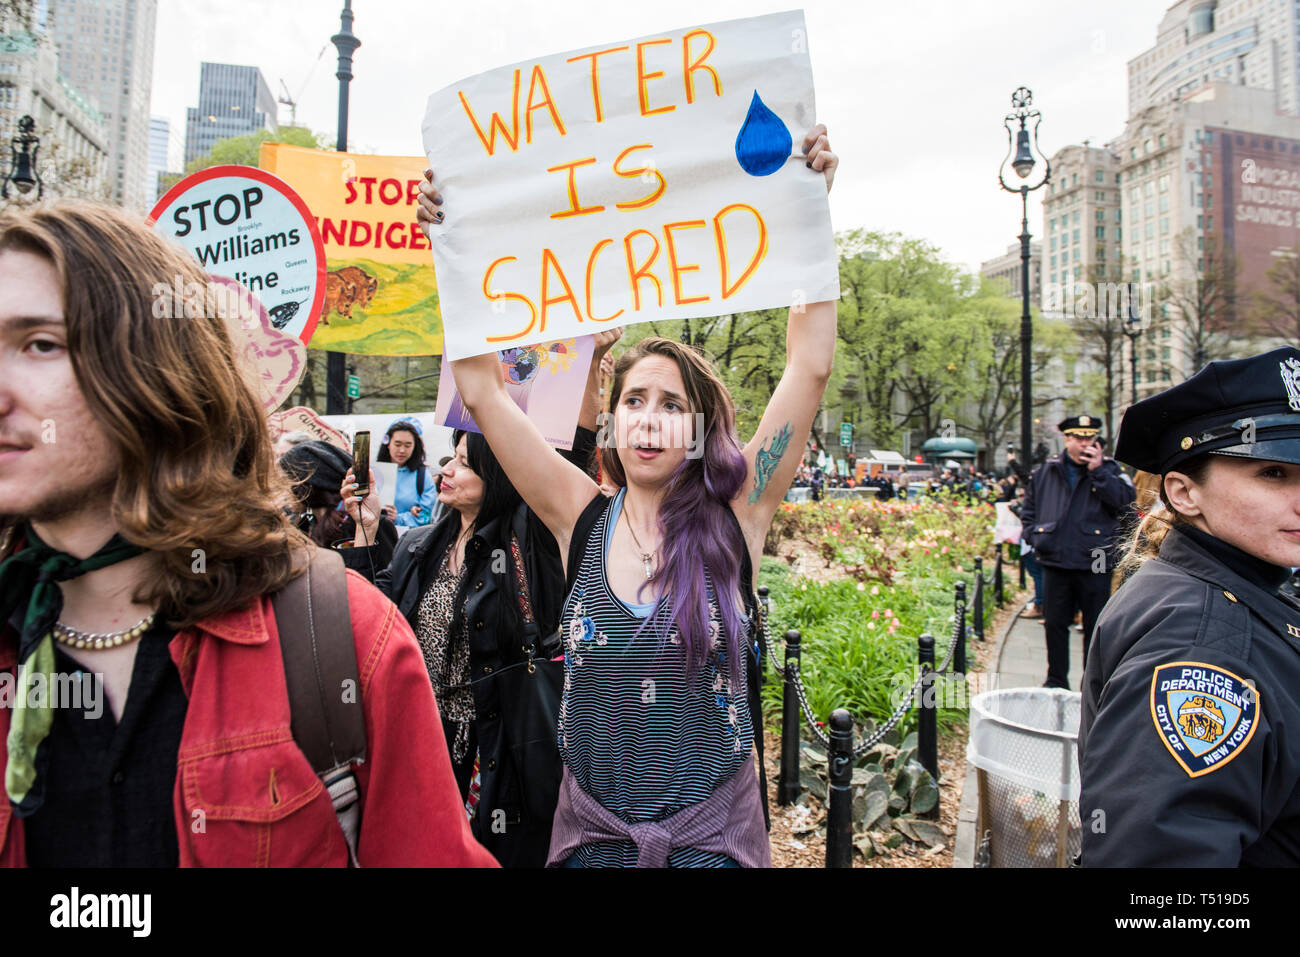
655 726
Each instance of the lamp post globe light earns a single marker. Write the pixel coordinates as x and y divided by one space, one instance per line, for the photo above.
23 149
1023 157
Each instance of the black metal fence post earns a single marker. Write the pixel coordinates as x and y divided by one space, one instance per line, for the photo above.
927 719
788 790
839 814
764 613
959 629
978 609
998 596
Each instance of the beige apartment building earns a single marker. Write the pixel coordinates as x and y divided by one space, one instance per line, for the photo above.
1192 191
1254 43
73 134
1005 270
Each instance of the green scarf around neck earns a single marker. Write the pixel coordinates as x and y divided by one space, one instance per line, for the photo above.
32 574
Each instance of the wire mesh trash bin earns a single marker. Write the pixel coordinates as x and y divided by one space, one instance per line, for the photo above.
1024 744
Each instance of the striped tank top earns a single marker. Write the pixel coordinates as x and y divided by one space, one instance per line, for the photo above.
633 732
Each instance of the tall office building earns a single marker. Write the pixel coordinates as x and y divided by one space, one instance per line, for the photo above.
73 158
164 153
1214 175
106 51
1253 43
1081 220
233 101
1006 269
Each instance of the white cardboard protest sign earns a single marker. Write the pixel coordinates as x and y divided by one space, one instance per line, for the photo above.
659 178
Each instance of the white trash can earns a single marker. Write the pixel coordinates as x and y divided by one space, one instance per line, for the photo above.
1024 743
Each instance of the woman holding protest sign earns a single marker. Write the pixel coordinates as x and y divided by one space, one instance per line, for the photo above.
655 728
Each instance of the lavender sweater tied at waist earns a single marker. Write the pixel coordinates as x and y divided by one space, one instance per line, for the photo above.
729 821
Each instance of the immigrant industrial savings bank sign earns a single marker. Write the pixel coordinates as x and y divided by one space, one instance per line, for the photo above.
659 178
244 223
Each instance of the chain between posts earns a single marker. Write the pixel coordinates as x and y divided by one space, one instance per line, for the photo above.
904 705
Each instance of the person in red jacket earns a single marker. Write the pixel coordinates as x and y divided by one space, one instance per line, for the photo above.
144 716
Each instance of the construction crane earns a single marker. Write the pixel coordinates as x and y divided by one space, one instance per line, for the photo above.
291 101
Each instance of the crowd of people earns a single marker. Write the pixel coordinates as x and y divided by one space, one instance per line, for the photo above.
545 658
535 658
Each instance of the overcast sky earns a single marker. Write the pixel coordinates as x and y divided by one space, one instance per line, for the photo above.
913 93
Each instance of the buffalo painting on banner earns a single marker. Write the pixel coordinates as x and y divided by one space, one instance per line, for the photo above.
660 178
381 297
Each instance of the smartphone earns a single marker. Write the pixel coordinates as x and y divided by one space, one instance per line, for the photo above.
361 463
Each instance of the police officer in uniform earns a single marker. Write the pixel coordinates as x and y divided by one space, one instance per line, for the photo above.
1071 517
1190 729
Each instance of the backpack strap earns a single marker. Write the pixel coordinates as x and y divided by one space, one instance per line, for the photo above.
751 664
578 540
320 672
419 482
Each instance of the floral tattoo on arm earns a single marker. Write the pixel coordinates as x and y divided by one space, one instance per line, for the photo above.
767 459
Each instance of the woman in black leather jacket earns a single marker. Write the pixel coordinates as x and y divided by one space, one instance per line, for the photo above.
468 585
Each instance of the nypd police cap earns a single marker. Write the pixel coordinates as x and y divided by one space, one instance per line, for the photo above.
1082 425
1248 408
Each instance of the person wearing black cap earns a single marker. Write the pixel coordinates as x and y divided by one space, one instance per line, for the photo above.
1071 516
1191 698
317 469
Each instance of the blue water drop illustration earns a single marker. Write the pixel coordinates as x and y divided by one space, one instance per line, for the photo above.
763 143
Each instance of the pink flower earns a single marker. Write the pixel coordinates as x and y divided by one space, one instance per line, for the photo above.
945 550
889 613
875 614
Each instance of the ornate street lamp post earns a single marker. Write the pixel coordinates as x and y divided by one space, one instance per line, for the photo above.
1133 329
1022 146
347 43
22 166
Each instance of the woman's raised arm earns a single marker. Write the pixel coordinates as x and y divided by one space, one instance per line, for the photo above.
775 451
556 490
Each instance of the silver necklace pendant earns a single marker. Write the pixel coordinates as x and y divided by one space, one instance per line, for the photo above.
645 561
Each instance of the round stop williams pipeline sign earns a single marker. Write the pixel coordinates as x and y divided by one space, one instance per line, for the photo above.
244 223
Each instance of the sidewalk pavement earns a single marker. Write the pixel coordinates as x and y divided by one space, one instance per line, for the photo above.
1019 661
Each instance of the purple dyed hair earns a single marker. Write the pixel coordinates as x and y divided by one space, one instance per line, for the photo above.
697 532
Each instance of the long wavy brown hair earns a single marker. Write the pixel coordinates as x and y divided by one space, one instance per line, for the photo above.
149 344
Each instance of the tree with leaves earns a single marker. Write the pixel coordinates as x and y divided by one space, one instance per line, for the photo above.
1275 311
1203 292
245 150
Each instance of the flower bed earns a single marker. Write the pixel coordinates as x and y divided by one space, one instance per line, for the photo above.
895 566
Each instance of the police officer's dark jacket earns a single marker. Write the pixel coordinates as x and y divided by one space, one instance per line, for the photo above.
1065 525
1190 728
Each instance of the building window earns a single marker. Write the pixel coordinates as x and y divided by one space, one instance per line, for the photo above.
1075 238
1100 215
1076 216
1209 223
1164 183
1101 232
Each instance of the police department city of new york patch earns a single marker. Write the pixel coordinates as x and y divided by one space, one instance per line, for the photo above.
1204 714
